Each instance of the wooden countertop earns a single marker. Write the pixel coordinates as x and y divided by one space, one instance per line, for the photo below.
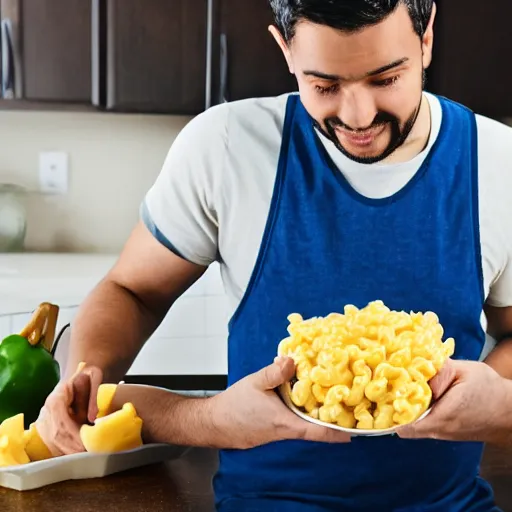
183 485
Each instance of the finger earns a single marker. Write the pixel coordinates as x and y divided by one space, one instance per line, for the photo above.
309 431
272 376
420 430
444 379
81 391
428 427
96 378
319 434
439 423
413 432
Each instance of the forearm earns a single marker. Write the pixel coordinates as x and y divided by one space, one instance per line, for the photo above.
503 418
500 359
110 328
170 418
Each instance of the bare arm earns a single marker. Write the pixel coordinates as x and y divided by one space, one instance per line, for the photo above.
122 312
110 329
170 418
500 328
113 324
247 414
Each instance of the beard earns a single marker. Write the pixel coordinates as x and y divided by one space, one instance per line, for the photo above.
399 132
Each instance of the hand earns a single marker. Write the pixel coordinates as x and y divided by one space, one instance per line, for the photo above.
250 413
473 404
72 404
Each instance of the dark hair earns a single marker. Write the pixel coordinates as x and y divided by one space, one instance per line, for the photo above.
346 15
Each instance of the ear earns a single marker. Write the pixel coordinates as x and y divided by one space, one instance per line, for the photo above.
283 45
427 42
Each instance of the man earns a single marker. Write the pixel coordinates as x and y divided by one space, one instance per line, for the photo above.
362 187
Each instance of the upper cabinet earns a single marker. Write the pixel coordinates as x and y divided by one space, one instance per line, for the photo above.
248 61
46 50
148 56
154 55
142 56
472 53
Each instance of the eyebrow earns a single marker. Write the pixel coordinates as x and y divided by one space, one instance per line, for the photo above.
375 72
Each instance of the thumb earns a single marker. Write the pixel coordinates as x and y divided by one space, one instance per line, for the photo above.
444 379
85 391
96 378
272 376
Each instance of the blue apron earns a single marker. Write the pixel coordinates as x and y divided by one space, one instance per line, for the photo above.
325 246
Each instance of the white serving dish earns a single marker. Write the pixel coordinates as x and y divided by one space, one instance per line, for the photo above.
82 466
285 390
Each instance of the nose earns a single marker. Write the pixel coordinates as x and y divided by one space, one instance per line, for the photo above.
357 108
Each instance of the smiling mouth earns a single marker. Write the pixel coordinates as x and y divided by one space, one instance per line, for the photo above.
361 139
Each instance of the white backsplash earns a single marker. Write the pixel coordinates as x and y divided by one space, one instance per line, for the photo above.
191 340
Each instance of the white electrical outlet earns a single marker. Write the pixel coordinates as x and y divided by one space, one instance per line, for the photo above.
53 172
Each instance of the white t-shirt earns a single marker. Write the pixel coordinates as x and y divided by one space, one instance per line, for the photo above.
212 197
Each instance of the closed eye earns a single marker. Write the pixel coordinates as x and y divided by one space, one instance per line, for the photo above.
386 82
332 89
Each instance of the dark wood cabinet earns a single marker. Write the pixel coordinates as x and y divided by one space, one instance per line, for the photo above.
141 56
155 55
46 50
181 56
247 60
472 50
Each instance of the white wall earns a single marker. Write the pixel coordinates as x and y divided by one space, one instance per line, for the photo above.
113 159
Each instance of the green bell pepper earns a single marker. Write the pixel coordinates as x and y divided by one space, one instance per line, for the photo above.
28 371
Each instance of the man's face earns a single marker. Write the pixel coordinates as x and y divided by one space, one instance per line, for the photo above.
363 89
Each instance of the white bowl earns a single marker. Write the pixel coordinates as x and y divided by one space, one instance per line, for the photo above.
285 390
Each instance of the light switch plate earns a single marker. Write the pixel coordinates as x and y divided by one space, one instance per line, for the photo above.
53 172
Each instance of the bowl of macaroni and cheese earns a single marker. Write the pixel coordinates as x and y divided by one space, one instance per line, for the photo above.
364 371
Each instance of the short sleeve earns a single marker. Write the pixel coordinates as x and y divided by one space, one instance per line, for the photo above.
495 209
500 295
180 207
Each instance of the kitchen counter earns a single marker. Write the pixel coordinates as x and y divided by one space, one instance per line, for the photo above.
184 485
27 279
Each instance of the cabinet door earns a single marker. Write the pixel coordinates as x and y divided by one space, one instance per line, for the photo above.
248 61
47 50
156 55
472 47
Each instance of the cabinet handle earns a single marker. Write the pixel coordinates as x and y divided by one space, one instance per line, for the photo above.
224 68
8 73
98 62
95 53
209 52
